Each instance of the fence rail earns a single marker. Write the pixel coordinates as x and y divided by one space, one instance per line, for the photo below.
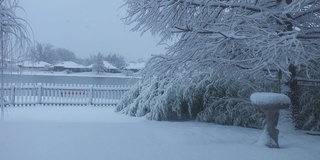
308 82
62 94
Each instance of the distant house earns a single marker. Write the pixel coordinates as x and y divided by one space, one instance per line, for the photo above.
31 65
135 67
110 68
70 66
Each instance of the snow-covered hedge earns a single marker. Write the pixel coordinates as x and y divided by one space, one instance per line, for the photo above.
227 103
309 102
212 97
203 96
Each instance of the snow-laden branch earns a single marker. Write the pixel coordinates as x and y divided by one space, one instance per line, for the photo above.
229 32
225 4
308 11
13 36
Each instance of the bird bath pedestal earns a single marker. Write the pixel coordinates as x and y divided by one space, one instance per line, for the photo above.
270 104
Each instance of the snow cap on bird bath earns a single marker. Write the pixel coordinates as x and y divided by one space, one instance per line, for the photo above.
270 101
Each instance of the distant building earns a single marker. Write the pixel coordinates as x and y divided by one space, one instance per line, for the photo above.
70 67
135 67
110 68
31 65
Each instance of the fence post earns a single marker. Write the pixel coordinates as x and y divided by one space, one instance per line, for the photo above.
39 93
13 95
91 94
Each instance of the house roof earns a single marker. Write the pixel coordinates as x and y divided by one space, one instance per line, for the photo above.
69 64
135 65
38 64
108 65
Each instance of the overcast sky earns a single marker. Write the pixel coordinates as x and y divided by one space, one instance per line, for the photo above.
87 27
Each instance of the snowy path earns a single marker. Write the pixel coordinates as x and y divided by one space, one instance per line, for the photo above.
98 133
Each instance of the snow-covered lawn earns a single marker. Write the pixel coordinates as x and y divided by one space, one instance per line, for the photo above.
98 133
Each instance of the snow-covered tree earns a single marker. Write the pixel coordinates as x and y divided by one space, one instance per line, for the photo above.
50 54
116 60
219 39
251 35
64 54
14 33
43 52
98 65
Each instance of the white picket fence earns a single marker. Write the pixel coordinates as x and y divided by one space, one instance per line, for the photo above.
63 94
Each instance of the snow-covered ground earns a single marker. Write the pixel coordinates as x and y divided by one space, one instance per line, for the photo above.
98 133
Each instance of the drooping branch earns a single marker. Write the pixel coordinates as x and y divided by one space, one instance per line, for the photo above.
14 36
253 35
218 4
311 10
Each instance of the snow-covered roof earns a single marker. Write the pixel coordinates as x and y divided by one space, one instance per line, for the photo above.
108 65
38 64
90 66
69 64
268 99
135 65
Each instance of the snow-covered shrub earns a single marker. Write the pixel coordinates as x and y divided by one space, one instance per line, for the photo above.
309 117
206 96
227 103
226 100
154 98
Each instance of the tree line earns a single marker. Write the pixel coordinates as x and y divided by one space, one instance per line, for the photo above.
53 55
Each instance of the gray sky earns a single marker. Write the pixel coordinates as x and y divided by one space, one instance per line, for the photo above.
87 27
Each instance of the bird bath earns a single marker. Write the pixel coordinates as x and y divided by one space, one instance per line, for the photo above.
270 104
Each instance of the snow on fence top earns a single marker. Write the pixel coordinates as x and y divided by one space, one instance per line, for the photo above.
270 100
61 94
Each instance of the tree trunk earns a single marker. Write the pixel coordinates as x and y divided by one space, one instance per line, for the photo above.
289 86
2 68
293 94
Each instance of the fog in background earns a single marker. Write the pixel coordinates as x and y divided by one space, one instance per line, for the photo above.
87 27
